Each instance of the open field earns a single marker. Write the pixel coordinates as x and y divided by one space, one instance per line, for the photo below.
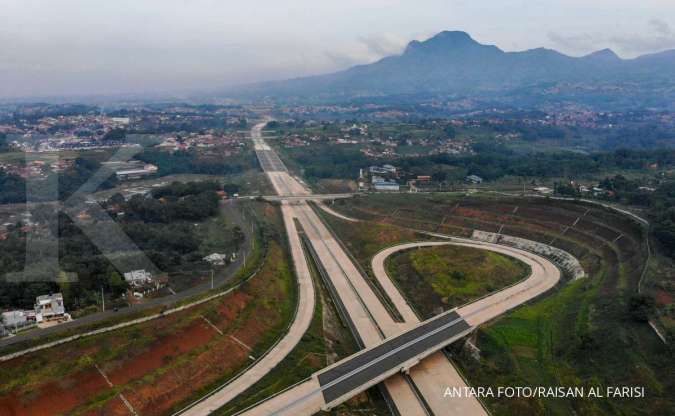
440 278
583 334
158 366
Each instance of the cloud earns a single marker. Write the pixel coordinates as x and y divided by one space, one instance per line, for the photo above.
577 43
370 48
382 45
658 36
661 27
661 37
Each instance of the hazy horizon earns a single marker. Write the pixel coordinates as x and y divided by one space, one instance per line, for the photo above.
77 48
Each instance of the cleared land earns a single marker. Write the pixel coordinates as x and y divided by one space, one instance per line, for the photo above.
442 277
156 367
581 335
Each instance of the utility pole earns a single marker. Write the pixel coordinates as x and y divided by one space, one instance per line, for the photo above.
102 299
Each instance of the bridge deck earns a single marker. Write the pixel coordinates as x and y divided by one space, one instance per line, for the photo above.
391 355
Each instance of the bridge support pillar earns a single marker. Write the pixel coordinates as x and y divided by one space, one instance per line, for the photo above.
408 365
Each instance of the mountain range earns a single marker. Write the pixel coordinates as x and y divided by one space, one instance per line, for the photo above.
452 62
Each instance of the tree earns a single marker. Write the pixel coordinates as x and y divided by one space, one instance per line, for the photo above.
566 189
115 282
641 307
115 134
238 237
450 131
116 199
3 142
439 176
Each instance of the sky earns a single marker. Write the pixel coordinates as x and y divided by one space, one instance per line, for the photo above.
86 47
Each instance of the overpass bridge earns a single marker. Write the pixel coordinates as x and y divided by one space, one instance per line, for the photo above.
300 198
343 380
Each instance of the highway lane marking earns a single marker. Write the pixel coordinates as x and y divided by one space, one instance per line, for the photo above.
211 323
171 290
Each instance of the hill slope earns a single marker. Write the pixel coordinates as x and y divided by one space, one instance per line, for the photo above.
454 63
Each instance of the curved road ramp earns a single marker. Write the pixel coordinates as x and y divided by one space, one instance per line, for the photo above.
400 353
344 379
567 262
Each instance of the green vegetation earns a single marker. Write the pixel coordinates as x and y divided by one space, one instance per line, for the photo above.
573 338
326 341
194 161
589 332
3 142
257 313
253 264
13 187
491 158
442 277
306 358
163 227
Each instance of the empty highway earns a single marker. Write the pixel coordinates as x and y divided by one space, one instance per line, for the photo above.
399 350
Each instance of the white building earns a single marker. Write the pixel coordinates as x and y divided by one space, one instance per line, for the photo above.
389 168
138 277
216 259
543 190
128 174
13 319
474 179
384 185
49 306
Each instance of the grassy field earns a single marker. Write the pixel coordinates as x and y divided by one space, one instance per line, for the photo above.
582 333
160 365
442 277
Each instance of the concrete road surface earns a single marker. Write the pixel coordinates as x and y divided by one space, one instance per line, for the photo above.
299 326
376 328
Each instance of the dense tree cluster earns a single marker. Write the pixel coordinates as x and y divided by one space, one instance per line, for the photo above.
4 146
638 137
191 201
13 187
115 135
190 161
161 224
330 161
663 216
